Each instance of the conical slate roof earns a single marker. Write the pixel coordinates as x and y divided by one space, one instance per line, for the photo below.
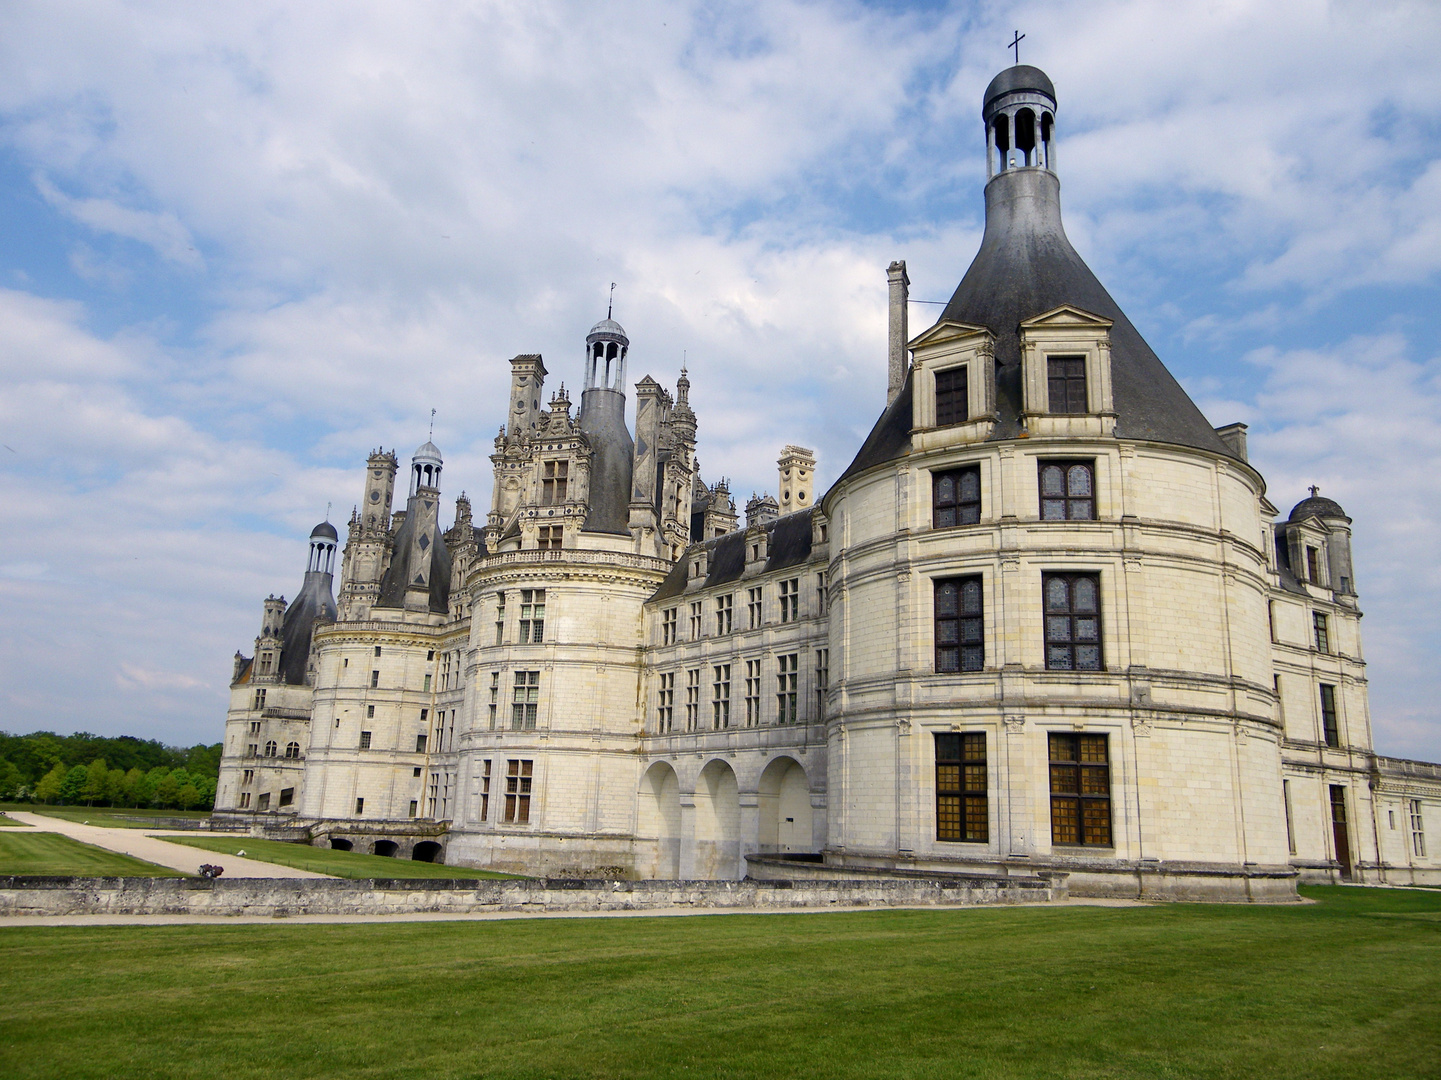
1026 267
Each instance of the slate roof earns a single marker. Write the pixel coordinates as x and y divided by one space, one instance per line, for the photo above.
788 543
1317 506
1025 267
314 603
400 572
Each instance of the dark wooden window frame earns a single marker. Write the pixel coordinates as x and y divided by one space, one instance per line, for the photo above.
1072 626
952 396
1080 775
956 497
959 619
1066 389
1074 499
1330 729
962 802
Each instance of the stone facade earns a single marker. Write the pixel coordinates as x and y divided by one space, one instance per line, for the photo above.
1045 622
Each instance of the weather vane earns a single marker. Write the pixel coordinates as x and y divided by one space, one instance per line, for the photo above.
610 306
432 424
1016 44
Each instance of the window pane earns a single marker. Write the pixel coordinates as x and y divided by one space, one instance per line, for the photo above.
1053 510
945 488
947 632
947 598
1063 779
948 747
1078 480
1087 628
1092 747
1095 780
1083 594
948 817
971 597
968 514
972 658
975 777
946 517
1058 658
1058 628
1080 510
1053 480
971 631
1097 821
948 659
1060 748
1065 822
948 777
1057 595
970 485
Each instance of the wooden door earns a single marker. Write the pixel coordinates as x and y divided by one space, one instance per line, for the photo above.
1338 830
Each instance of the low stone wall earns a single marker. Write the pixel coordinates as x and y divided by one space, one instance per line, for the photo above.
321 896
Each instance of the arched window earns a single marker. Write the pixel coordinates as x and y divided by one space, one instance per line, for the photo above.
292 750
1026 135
270 748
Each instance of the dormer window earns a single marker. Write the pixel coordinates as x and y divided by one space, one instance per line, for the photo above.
1066 374
1313 567
1066 378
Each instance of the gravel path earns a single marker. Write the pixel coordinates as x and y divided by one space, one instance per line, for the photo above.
154 849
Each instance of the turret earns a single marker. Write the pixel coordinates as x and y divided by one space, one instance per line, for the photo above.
1318 540
379 492
602 421
797 468
368 547
418 578
314 603
267 643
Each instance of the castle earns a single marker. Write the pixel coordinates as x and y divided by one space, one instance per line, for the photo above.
1044 621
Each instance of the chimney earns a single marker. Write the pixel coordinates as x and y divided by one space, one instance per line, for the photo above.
899 335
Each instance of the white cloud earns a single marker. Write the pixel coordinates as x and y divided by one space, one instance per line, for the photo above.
392 201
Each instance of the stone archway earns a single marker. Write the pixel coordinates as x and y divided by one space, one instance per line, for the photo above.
784 801
426 851
717 823
658 824
386 848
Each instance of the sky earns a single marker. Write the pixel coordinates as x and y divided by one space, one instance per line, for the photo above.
242 245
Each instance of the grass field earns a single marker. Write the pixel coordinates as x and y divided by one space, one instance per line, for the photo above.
346 864
33 852
112 817
1348 987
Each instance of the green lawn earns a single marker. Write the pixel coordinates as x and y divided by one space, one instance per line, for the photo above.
112 817
346 864
1349 987
35 852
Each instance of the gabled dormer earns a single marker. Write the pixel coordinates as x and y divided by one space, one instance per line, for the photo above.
953 378
1066 374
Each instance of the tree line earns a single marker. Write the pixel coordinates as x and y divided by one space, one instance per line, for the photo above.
93 770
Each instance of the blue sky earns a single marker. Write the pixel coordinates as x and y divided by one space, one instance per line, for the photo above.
242 245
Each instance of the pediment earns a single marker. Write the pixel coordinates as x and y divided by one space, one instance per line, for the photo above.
1066 316
947 330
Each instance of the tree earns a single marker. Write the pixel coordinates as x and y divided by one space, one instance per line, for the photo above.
48 789
115 787
72 787
93 790
12 780
133 788
187 796
166 789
